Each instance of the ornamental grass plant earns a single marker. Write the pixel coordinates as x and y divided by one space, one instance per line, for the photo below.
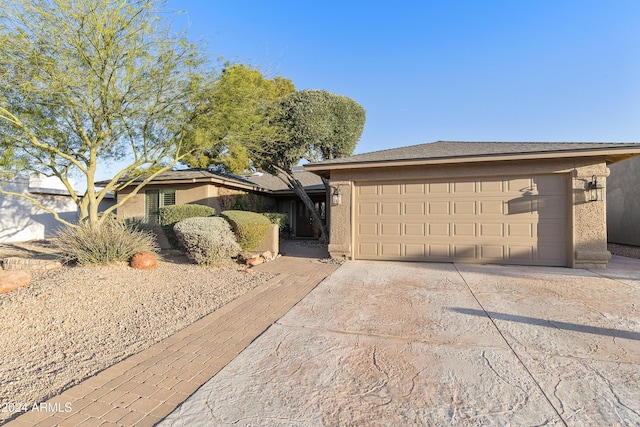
111 241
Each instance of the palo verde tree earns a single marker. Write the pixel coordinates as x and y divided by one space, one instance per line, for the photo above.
316 125
85 83
241 117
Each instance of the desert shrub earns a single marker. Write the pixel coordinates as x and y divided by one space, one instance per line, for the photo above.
249 227
251 202
207 241
276 218
109 242
171 215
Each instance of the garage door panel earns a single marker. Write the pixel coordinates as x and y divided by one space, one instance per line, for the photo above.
492 230
414 250
465 251
390 229
464 230
438 208
492 252
550 253
368 209
368 249
367 189
391 189
491 207
368 229
436 188
464 208
548 185
418 188
519 230
391 249
491 187
440 251
520 185
390 208
520 253
523 206
414 208
464 187
414 229
552 207
439 230
518 220
551 230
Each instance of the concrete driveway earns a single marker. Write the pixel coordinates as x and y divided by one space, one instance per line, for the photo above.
389 343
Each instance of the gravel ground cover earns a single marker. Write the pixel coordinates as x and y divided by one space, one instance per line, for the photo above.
71 323
624 250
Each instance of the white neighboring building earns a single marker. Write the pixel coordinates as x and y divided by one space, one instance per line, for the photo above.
21 220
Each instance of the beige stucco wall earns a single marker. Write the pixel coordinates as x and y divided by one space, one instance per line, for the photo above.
200 194
623 202
586 223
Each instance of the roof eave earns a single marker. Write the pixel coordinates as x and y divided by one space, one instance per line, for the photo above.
203 180
611 155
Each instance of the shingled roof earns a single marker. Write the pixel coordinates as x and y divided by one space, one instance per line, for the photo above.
262 182
456 151
310 181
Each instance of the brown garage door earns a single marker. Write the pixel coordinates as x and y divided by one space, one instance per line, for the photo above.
513 220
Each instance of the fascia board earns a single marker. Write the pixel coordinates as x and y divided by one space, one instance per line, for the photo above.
623 153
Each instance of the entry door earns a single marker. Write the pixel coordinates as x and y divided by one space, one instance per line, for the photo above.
505 220
304 221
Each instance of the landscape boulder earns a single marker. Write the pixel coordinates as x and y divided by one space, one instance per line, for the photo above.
10 280
255 261
144 261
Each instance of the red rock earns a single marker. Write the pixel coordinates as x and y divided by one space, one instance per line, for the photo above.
144 261
10 280
255 261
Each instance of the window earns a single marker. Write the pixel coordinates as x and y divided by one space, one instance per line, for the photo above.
154 200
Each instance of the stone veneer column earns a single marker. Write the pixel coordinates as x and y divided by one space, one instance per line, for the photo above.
590 219
340 233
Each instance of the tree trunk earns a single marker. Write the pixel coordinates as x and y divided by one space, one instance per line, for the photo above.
295 185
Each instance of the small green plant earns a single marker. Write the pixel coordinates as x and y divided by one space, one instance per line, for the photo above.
109 242
171 215
250 228
208 241
278 219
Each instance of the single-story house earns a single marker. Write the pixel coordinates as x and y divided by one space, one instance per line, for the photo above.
623 203
483 202
224 191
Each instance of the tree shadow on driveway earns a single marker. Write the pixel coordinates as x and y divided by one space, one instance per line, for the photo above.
616 333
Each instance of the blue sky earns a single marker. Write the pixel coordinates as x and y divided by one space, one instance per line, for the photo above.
484 70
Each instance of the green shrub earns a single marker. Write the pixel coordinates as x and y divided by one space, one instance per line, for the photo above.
278 219
250 228
207 241
171 215
250 202
109 242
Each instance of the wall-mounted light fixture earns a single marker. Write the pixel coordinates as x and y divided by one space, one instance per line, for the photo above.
595 190
336 197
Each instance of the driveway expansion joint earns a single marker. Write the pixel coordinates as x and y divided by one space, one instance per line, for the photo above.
535 381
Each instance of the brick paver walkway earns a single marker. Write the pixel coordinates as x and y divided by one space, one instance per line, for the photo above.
146 387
